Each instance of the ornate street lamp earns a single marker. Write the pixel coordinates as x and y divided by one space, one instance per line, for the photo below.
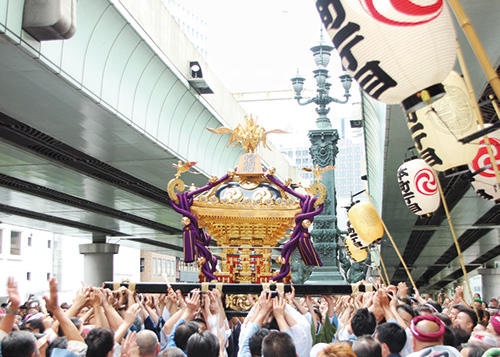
325 232
322 54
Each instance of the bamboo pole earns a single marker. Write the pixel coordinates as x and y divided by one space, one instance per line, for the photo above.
455 240
472 95
476 45
378 268
396 249
383 266
494 103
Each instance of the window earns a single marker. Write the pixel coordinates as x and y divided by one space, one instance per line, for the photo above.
48 276
28 276
15 243
1 239
49 244
29 241
141 265
154 266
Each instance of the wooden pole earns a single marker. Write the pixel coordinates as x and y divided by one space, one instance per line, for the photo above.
494 103
396 249
378 268
383 266
300 289
476 45
455 240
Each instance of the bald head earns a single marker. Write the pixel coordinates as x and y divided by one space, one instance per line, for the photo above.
147 341
427 326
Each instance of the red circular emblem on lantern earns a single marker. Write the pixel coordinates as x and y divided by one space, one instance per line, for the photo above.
482 158
392 12
425 182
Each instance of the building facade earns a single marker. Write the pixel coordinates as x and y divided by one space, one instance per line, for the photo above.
191 22
157 267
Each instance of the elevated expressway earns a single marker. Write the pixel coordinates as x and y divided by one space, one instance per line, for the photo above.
90 126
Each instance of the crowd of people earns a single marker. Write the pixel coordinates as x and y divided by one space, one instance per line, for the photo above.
386 322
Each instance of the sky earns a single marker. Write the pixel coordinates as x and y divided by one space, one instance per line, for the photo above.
258 46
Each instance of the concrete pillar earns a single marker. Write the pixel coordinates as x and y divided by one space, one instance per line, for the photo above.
325 232
490 282
98 260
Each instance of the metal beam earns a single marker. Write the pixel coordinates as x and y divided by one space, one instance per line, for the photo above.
41 144
82 226
57 196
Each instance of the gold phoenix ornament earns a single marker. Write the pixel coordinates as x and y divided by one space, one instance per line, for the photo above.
249 134
184 167
318 172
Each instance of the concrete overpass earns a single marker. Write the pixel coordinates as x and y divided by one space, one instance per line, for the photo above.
90 126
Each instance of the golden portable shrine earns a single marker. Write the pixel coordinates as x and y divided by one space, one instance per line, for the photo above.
247 211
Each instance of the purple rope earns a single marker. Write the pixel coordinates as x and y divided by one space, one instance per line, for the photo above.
193 236
300 239
285 188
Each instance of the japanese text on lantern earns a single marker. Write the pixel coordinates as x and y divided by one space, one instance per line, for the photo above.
354 236
417 133
408 194
371 77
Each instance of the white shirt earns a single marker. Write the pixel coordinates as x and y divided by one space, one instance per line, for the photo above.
440 350
408 348
301 333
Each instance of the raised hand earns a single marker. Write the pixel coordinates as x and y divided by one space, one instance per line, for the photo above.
368 299
94 297
82 296
266 303
206 306
193 301
129 346
291 296
180 299
13 293
279 305
131 313
47 321
402 289
150 301
51 302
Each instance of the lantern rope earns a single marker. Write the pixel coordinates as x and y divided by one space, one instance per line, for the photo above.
476 45
472 95
378 269
455 240
395 248
383 266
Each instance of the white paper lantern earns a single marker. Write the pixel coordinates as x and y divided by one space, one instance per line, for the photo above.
485 183
399 51
419 186
366 222
436 128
